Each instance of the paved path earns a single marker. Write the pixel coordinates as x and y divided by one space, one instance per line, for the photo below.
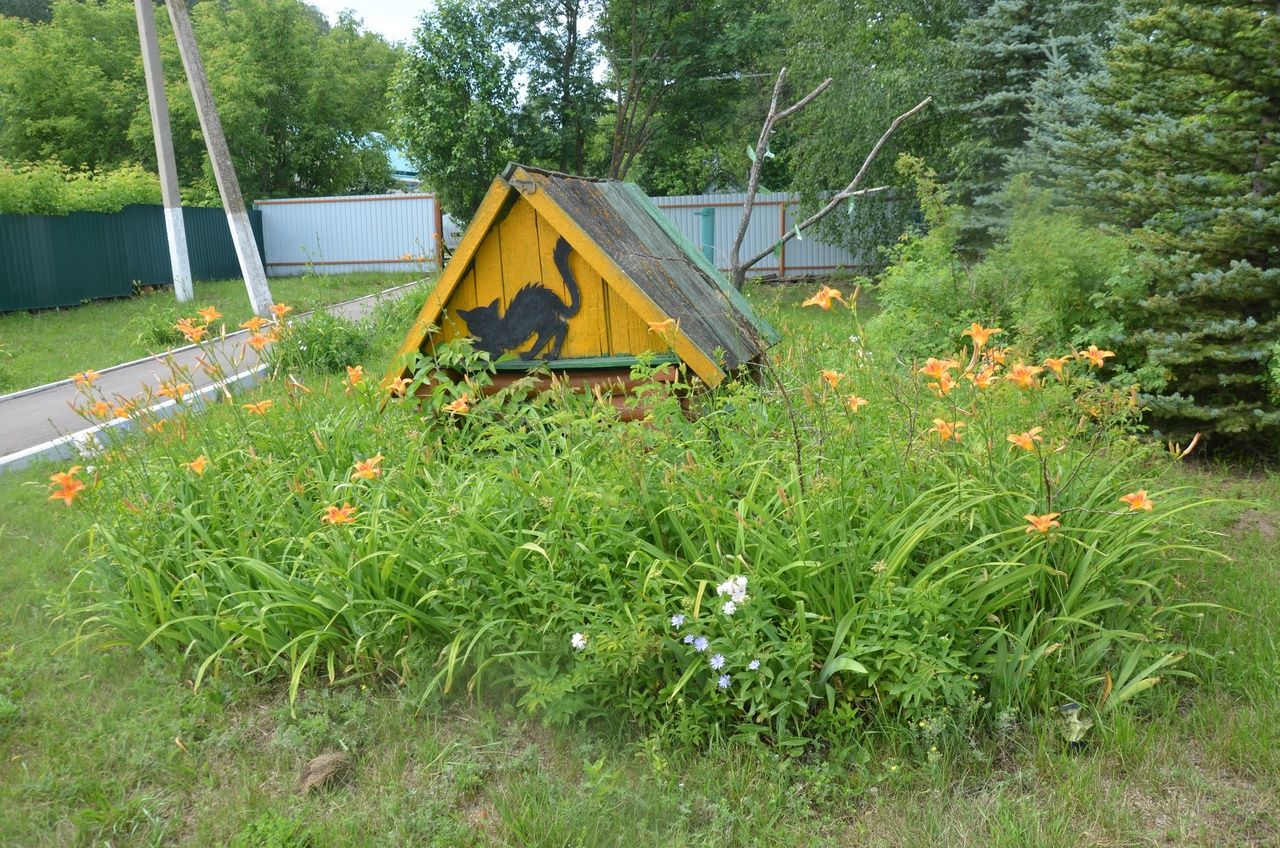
33 419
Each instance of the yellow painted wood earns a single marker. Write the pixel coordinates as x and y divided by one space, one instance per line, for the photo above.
454 272
519 256
531 188
586 329
464 297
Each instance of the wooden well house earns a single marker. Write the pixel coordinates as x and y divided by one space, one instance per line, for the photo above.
571 275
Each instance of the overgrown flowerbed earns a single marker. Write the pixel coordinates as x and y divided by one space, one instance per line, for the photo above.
964 542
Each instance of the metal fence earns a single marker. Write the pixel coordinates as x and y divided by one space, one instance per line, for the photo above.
61 260
711 222
64 260
335 235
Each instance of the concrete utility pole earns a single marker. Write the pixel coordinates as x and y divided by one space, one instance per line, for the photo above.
173 226
255 279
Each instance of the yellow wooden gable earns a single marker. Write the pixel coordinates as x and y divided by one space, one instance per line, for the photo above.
626 261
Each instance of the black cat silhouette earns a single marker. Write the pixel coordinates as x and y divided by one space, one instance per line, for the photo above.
535 310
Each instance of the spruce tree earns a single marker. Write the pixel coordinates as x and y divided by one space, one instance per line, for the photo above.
1181 148
1008 47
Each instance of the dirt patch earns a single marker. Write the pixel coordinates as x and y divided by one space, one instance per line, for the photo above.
1259 521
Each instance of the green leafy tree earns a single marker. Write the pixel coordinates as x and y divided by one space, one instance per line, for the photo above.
677 72
884 57
1181 148
557 52
455 101
69 88
31 10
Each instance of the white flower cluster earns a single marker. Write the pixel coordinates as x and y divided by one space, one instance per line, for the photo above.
736 588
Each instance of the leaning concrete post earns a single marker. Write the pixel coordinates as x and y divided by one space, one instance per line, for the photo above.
174 230
255 279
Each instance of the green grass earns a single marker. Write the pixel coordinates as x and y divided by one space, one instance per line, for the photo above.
89 749
50 345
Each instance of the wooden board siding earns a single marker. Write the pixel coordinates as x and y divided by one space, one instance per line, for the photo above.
517 252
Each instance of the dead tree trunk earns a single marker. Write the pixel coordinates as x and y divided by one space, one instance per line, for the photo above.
738 268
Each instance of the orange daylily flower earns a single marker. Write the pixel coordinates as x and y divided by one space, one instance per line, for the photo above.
856 403
1026 440
355 376
666 329
935 368
101 409
254 324
259 408
209 314
1139 500
194 332
173 390
280 310
1042 523
946 430
998 354
833 378
398 385
258 341
461 406
155 426
69 486
197 465
1057 363
124 410
85 379
344 514
1024 376
984 378
367 469
823 298
944 385
1096 357
981 334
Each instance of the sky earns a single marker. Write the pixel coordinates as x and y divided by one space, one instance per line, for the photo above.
395 19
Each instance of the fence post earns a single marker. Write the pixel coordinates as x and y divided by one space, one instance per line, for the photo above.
782 234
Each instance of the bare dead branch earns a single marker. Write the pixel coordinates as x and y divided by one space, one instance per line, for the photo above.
849 191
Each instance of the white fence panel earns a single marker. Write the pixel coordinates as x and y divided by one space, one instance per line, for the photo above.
335 235
771 217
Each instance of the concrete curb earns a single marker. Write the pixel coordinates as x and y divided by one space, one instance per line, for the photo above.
81 443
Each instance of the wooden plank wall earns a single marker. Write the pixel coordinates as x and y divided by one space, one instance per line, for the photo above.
518 251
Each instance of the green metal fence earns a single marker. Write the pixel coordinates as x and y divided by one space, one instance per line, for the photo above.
63 260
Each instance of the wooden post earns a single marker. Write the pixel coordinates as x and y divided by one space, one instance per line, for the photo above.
782 232
173 226
255 278
439 231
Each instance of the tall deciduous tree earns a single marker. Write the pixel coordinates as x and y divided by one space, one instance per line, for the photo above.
883 55
672 64
1183 147
557 53
298 98
456 102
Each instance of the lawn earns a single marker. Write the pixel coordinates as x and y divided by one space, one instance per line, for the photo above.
40 347
114 746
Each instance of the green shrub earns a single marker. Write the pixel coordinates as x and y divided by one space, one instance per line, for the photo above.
890 575
51 188
155 328
322 342
1051 282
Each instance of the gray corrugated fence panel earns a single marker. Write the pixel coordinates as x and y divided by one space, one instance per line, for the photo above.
770 218
64 260
335 235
